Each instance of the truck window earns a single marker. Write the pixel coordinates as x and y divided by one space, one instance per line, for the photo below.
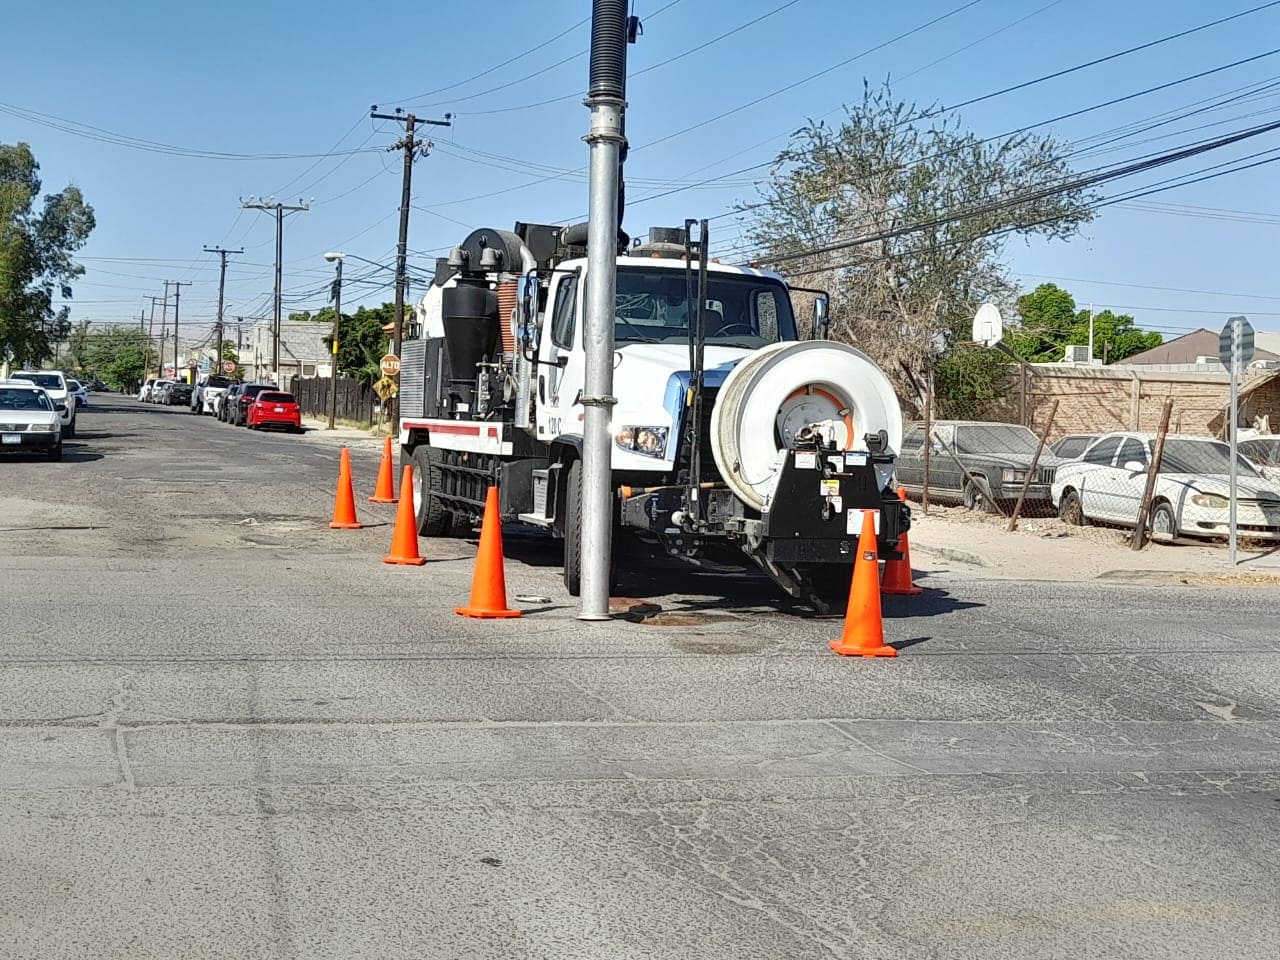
565 313
741 310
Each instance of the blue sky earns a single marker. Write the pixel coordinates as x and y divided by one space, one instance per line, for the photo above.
298 79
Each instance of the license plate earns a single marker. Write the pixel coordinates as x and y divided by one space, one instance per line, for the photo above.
279 409
12 438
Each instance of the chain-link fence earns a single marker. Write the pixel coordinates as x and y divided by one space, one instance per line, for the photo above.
1143 451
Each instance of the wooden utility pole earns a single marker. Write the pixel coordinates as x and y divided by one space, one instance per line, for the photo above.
413 148
222 282
177 296
1157 455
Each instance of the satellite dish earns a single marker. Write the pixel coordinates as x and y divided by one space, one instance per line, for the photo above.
988 325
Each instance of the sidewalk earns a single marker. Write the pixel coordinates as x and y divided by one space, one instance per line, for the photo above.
341 436
960 542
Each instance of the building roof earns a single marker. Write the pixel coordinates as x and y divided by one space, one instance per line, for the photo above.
1200 343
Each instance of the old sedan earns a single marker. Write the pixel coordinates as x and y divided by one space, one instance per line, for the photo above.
976 464
1190 494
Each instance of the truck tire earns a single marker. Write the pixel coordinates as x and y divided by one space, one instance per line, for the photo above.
573 529
433 519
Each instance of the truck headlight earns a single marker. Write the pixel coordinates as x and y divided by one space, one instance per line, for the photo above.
1211 500
1009 475
651 441
54 427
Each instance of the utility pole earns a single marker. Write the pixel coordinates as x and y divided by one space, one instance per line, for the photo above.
280 210
222 282
412 148
177 295
606 100
150 330
164 333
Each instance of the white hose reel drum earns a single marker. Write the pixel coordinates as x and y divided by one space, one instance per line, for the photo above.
788 387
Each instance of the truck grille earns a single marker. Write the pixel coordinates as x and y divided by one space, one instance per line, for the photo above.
708 469
14 427
413 366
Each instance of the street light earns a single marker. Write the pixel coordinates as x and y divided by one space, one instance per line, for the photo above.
335 258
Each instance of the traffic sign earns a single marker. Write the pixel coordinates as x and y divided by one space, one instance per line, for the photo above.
228 366
390 365
1236 342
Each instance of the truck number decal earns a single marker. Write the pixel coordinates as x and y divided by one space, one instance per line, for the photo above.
553 425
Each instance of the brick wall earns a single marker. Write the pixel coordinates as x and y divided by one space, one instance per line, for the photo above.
1100 399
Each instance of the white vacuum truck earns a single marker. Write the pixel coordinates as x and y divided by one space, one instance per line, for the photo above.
732 438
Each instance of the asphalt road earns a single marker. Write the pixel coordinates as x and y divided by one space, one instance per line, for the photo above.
227 731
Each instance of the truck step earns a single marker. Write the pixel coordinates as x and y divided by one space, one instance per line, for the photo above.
535 519
541 485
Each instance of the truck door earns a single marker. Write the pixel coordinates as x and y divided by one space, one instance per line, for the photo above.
557 381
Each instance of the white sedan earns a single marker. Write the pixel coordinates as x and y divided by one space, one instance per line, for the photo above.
1191 490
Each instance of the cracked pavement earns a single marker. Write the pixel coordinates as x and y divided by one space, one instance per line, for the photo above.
227 731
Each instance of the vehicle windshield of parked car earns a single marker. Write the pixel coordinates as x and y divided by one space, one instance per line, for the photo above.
73 385
218 383
50 381
996 438
276 398
1263 451
15 398
1207 458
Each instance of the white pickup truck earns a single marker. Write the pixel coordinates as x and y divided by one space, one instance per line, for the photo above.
207 389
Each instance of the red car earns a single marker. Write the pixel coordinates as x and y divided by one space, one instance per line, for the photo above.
273 408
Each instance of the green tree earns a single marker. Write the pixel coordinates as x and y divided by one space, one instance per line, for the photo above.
120 356
361 342
35 256
925 208
77 341
1049 322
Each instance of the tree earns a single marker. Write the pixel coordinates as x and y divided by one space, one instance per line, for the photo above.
361 342
77 341
926 208
1049 322
35 257
120 356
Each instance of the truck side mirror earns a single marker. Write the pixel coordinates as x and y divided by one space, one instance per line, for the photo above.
1135 466
821 321
525 320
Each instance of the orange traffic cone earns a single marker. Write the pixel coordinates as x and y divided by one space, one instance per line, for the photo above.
384 492
344 502
897 573
489 582
404 539
863 630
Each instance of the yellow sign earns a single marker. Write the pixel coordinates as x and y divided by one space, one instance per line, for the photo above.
385 388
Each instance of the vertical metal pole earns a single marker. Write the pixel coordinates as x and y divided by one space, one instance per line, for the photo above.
928 440
333 359
177 298
606 103
1235 403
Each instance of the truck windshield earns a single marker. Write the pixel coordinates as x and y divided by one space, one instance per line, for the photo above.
741 310
218 383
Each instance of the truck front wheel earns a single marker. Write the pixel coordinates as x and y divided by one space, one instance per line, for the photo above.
433 519
573 529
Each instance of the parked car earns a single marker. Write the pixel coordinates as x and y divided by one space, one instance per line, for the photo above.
223 404
1190 497
1072 446
29 419
207 391
80 392
179 394
975 463
55 385
97 386
1264 453
248 393
274 408
144 392
160 391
